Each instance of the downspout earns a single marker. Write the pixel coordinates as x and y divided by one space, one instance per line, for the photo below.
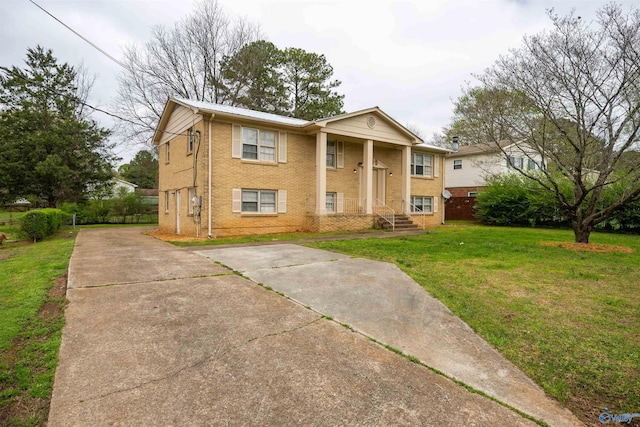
443 187
209 185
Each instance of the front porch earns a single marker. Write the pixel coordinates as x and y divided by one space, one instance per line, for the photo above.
349 214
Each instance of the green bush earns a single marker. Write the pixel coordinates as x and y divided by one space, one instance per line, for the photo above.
515 200
35 224
42 223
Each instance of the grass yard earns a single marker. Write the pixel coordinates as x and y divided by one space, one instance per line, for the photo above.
32 298
570 319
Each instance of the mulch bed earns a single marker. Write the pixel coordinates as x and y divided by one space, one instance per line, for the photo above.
588 247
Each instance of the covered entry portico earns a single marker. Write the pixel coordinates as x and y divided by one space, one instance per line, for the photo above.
363 161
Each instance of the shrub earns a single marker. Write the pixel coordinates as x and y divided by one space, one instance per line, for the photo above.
35 224
41 223
515 200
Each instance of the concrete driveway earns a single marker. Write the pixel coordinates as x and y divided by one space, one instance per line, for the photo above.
156 335
382 302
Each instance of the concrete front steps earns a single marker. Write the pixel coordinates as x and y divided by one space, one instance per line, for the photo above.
403 223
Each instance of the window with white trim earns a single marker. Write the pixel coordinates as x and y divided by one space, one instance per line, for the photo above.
263 201
457 164
472 194
331 202
516 162
421 164
331 154
191 195
422 204
532 164
167 152
191 136
258 145
166 201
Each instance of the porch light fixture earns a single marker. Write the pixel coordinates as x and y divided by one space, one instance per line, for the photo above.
390 173
360 164
355 171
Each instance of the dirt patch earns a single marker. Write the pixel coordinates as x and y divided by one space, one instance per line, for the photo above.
174 237
588 247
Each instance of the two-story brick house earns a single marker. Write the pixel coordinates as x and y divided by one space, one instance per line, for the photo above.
231 171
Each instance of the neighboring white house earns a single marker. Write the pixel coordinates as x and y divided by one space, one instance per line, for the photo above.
468 168
117 184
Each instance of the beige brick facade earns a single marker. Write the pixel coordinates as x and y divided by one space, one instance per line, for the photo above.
186 173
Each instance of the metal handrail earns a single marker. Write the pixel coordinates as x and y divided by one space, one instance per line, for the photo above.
383 210
413 211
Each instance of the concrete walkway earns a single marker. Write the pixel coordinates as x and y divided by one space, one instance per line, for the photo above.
156 335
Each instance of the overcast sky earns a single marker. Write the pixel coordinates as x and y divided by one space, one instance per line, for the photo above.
410 58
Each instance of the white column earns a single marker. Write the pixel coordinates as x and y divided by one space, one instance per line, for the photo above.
321 173
367 155
406 179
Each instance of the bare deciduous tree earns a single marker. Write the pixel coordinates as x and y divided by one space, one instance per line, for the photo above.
183 61
580 88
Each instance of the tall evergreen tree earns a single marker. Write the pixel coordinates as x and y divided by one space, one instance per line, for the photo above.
142 170
307 77
49 148
253 80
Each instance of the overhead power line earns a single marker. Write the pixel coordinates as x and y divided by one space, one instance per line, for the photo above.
80 101
79 35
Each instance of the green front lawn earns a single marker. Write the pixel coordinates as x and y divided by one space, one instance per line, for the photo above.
570 319
31 319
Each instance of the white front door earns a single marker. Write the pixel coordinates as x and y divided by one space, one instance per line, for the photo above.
177 211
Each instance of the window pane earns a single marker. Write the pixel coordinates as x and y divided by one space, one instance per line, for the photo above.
267 154
268 139
331 154
249 196
331 160
249 206
249 151
331 202
419 170
267 197
267 201
249 136
426 204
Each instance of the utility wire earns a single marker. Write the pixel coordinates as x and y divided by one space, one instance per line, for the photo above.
80 35
80 101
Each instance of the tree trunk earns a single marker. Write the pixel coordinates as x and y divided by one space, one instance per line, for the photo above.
582 231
